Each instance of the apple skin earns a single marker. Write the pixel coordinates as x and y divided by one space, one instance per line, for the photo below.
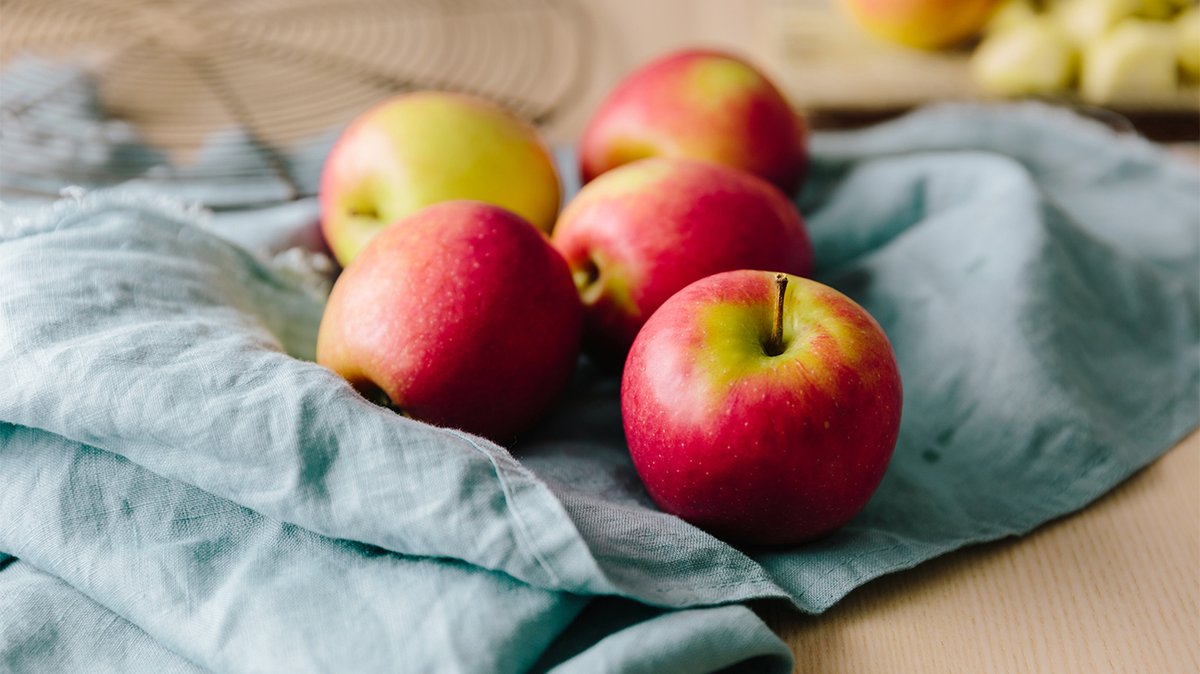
419 149
639 233
699 104
461 314
924 24
760 449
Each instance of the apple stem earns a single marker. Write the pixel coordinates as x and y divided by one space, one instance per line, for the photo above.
776 345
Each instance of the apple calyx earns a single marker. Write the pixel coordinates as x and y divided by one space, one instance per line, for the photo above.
586 275
376 395
775 345
366 212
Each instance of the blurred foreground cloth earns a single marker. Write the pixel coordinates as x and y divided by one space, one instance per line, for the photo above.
182 489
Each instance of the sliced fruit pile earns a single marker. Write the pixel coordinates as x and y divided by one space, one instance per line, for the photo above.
1110 50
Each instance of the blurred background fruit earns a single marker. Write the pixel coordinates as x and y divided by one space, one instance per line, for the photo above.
1094 56
925 24
1132 58
1187 26
1130 52
1033 56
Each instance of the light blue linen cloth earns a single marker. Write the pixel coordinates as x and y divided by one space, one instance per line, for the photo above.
182 488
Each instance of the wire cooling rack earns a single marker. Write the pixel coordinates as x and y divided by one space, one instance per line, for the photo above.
171 73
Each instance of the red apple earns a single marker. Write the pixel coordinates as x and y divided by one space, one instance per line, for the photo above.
764 415
462 315
640 233
703 105
426 147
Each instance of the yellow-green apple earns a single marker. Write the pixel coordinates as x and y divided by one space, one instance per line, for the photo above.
925 24
761 407
461 315
639 233
422 148
699 104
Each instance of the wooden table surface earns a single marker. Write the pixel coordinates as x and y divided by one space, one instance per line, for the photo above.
1113 588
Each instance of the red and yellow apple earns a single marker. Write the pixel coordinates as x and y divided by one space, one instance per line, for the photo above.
925 24
698 104
763 414
639 233
423 148
461 315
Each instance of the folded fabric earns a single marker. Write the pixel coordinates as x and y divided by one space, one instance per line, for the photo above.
169 452
50 626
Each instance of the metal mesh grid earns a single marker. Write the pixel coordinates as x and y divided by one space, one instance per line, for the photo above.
281 71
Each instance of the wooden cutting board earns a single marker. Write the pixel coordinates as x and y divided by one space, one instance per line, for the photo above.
844 76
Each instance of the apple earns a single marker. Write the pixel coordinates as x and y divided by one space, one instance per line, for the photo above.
460 315
698 104
925 24
422 148
761 407
1033 57
639 233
